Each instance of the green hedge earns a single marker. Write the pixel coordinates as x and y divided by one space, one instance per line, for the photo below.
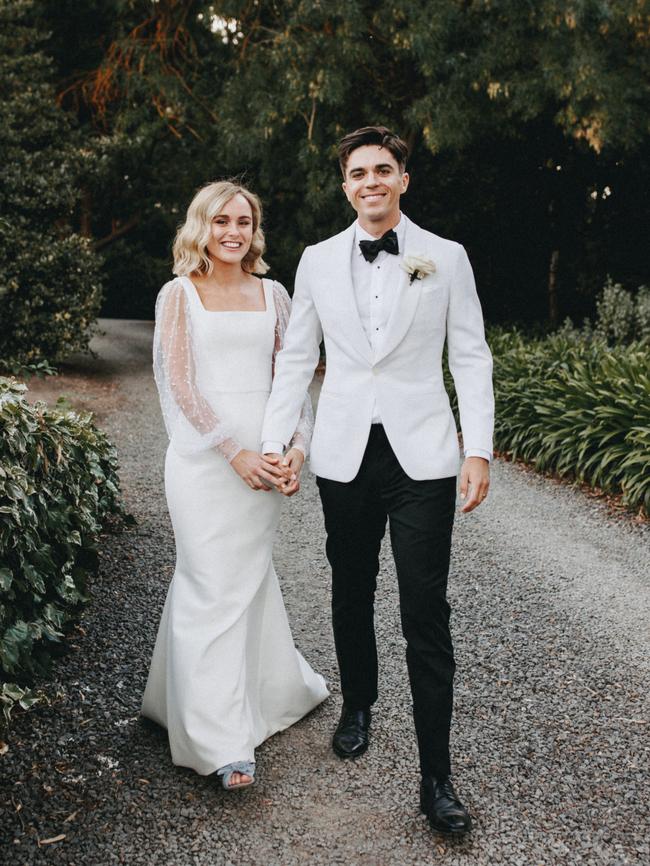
575 406
50 294
58 487
50 276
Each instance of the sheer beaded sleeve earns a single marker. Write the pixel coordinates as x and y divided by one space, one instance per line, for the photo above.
191 423
302 436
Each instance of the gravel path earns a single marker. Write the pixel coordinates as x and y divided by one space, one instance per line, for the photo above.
551 601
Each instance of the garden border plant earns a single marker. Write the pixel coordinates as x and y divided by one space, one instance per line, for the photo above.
59 488
577 402
578 408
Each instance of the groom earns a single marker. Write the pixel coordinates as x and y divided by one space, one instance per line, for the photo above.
384 294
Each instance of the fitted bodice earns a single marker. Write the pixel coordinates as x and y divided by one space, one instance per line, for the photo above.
234 348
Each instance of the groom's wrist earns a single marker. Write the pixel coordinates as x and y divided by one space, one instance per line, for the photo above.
272 448
479 452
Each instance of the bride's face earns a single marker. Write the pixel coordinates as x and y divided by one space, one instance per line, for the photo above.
231 231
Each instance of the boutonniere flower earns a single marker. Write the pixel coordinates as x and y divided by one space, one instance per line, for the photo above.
417 267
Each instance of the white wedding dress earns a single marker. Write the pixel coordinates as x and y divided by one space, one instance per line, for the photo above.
225 673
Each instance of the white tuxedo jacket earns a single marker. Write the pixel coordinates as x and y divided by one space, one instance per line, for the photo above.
404 374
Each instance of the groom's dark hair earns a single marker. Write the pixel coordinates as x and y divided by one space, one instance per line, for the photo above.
372 135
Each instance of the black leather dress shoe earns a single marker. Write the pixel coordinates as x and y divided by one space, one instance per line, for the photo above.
442 807
352 733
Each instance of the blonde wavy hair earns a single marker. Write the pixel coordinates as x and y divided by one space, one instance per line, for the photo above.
192 238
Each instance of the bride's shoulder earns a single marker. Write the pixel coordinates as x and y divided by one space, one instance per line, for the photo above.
280 294
171 298
171 288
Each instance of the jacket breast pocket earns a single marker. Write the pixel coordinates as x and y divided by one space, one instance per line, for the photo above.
430 285
433 304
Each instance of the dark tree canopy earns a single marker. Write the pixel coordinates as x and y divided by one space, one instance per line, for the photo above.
528 124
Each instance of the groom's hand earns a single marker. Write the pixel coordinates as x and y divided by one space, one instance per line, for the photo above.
290 466
293 461
281 469
475 478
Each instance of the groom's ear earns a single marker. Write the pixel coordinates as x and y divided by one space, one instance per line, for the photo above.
344 187
405 181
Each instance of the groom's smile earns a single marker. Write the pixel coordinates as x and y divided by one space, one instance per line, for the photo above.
373 185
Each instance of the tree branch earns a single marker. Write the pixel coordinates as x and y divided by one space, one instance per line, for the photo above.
117 232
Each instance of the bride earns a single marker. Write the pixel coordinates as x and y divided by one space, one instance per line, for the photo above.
225 674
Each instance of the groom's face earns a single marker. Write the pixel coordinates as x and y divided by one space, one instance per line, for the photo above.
374 183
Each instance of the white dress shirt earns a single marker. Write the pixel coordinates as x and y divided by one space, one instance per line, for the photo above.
375 286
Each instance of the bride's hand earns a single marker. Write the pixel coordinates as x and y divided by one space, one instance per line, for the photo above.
258 471
293 460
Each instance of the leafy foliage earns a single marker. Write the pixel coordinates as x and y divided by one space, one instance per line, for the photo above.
575 406
622 317
58 486
50 284
528 124
12 695
571 403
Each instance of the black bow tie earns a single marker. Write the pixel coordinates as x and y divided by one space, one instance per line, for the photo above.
387 241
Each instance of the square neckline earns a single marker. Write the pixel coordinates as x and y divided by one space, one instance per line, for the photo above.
195 293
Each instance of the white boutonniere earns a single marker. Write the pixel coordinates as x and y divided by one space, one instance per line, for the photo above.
417 267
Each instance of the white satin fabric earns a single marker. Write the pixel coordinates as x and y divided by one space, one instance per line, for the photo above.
225 674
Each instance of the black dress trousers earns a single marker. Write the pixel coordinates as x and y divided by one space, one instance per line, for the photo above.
421 516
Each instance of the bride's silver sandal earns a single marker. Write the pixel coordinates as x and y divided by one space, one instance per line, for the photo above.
245 768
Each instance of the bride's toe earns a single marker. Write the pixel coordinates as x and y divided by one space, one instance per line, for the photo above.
239 779
237 775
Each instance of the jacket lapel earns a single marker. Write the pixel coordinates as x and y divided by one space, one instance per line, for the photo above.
348 321
408 294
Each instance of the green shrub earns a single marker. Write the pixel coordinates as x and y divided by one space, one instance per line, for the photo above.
622 317
577 407
50 293
50 286
58 487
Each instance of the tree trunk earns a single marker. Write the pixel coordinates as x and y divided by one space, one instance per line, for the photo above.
553 308
85 214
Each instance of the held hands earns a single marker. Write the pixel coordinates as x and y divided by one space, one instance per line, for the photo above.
259 471
291 466
475 475
266 471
